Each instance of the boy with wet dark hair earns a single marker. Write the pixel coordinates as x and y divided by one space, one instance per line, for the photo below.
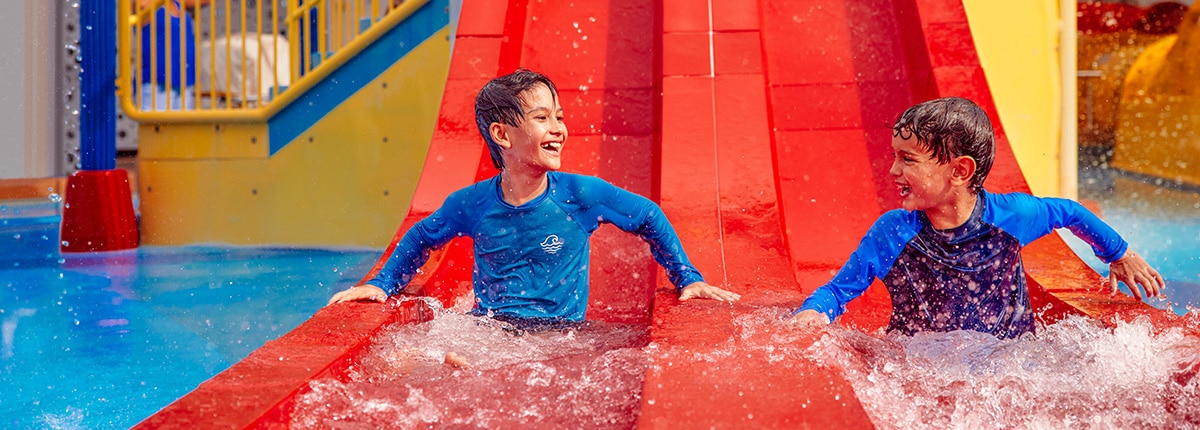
531 223
499 102
951 257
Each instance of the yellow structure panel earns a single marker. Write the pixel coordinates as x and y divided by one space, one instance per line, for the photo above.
198 140
1018 45
1158 123
346 181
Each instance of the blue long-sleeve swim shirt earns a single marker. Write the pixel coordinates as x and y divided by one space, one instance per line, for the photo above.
531 261
965 278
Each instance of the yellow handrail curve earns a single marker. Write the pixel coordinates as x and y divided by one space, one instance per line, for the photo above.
301 80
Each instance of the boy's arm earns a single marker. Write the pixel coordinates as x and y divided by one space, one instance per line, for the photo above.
1124 265
829 301
1029 218
875 254
409 255
1108 245
638 215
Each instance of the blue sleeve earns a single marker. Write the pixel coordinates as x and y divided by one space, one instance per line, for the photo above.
605 202
412 252
873 259
1028 218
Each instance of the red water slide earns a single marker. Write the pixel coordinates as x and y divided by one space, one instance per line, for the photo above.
762 128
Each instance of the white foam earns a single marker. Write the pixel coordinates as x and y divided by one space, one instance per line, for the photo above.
590 377
1074 373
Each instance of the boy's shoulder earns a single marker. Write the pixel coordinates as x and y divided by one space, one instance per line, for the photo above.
473 194
1015 197
896 224
1012 204
898 217
576 183
574 178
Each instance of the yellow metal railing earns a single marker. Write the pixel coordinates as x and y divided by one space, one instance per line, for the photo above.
238 75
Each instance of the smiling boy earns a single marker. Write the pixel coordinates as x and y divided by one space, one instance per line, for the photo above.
951 257
531 223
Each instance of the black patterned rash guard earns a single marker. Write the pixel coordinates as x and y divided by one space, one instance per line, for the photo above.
965 278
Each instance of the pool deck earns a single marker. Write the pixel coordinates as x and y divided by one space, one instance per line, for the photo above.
37 188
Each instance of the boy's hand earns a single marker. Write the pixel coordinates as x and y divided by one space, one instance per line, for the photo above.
359 292
1133 270
809 318
706 291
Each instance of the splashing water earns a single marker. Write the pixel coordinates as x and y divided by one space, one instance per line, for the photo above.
1072 374
590 376
1076 373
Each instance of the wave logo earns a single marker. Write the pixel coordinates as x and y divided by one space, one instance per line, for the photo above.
552 244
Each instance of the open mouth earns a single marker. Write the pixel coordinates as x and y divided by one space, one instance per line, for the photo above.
554 147
905 190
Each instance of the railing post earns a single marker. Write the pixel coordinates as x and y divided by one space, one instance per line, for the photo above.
97 84
98 213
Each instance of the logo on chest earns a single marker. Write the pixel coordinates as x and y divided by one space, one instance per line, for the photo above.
552 244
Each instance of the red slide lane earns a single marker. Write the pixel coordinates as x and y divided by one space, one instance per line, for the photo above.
779 144
770 157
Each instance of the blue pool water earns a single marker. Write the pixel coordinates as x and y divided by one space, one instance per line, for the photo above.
103 341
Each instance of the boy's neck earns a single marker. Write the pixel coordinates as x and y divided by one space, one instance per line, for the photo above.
519 188
953 213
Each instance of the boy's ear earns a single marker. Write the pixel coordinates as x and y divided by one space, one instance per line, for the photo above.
499 135
964 169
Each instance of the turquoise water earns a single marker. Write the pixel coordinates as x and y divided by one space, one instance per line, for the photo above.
105 340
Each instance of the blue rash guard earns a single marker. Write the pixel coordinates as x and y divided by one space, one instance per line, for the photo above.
965 278
531 261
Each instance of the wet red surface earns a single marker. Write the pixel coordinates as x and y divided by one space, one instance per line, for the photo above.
770 159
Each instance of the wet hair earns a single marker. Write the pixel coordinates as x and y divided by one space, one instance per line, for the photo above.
951 127
500 101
